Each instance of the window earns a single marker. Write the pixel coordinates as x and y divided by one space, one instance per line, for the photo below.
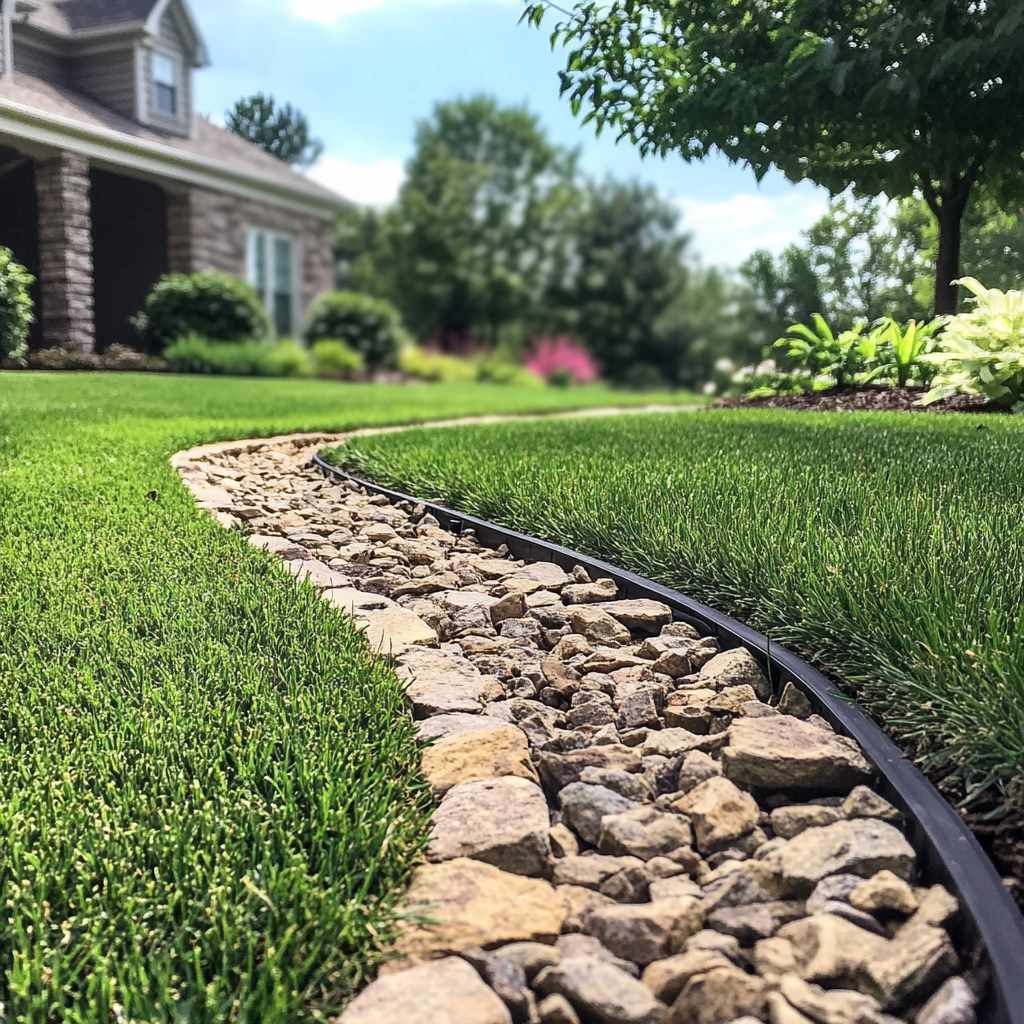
272 271
165 84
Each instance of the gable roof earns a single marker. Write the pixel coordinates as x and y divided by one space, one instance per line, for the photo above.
97 13
36 109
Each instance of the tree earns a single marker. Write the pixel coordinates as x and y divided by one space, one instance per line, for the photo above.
624 271
283 132
886 96
361 252
479 227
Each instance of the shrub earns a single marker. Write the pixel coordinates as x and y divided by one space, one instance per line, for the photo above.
336 359
644 377
239 358
207 304
766 380
371 326
818 349
901 350
436 367
981 352
15 307
562 361
495 370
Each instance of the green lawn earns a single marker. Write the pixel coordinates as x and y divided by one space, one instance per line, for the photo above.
210 792
888 548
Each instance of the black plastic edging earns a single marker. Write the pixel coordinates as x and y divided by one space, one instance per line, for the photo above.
947 850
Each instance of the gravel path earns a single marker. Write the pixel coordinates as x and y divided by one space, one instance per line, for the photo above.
631 827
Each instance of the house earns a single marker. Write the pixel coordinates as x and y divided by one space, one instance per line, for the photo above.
108 179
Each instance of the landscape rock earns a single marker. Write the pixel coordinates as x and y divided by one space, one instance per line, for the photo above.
602 992
736 667
643 615
557 1010
791 820
719 811
718 997
667 978
441 683
643 832
560 770
863 802
538 576
477 754
953 1003
884 892
794 702
584 807
828 948
590 593
389 628
646 932
591 622
912 966
502 821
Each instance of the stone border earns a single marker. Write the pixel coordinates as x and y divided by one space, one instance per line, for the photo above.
933 836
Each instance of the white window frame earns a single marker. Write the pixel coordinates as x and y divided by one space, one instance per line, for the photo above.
175 62
252 232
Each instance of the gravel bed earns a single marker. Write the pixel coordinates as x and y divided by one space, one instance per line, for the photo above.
631 827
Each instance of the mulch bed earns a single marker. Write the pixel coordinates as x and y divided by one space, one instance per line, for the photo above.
869 399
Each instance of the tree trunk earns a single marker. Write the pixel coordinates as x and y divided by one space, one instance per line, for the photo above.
947 265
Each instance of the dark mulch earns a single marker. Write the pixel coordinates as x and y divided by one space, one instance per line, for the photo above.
869 399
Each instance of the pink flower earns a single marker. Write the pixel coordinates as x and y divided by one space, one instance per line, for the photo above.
562 358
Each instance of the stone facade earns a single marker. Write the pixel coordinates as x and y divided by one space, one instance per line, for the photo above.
207 231
65 252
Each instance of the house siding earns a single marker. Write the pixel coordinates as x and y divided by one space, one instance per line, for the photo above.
32 60
108 77
208 231
169 40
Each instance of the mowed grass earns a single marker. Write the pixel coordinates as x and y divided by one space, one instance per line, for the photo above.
210 794
889 549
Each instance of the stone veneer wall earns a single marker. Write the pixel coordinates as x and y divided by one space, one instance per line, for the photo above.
207 231
65 252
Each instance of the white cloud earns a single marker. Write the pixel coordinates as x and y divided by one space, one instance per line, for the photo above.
331 12
374 183
727 231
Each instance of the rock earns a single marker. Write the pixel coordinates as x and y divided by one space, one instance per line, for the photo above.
457 723
557 1010
740 883
646 932
718 997
830 949
782 1012
936 906
735 668
835 1007
507 980
441 683
780 752
793 819
511 606
591 870
591 622
560 770
532 957
484 754
531 578
719 811
446 991
388 627
603 993
321 576
756 921
643 832
642 615
444 581
882 893
914 963
667 978
866 803
673 888
794 702
674 742
731 700
774 957
575 946
697 767
831 889
953 1003
280 546
580 903
590 593
563 841
627 784
861 847
461 904
639 709
501 821
584 807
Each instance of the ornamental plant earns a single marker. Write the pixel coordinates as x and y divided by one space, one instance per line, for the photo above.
15 307
207 304
371 326
981 351
819 350
336 360
562 361
902 348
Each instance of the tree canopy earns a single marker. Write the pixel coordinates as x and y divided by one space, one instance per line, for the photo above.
884 96
282 131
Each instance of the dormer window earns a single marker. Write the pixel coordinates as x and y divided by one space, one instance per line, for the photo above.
165 84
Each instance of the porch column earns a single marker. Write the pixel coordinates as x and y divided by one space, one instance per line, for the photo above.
65 253
179 232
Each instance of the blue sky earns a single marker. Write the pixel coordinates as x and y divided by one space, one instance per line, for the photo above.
365 71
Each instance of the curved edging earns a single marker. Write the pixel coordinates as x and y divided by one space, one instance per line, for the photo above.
948 851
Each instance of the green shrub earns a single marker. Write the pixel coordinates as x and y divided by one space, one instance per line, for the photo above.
981 352
15 307
208 304
195 354
495 370
818 349
435 367
336 359
373 327
901 351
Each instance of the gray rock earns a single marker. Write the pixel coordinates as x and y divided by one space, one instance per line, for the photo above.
953 1003
559 770
602 992
866 803
791 820
756 921
532 957
442 726
643 832
794 702
697 767
646 932
584 807
502 821
831 889
591 870
627 784
575 946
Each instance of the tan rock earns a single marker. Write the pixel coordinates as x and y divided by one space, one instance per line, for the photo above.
838 1006
442 683
791 820
735 668
388 627
936 906
580 903
590 593
667 978
643 832
557 1010
774 957
321 576
719 812
884 892
780 1011
641 614
673 742
912 966
863 802
786 753
730 700
794 702
830 948
596 625
646 932
861 847
483 754
953 1003
534 577
447 991
718 997
465 903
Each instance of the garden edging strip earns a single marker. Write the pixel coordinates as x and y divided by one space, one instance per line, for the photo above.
947 851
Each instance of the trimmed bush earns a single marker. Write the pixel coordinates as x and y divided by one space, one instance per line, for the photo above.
373 327
239 358
15 307
336 360
208 304
495 370
435 367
